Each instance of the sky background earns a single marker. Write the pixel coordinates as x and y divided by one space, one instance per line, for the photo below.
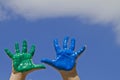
94 23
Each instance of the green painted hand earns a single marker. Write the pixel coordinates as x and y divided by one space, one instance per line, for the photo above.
22 61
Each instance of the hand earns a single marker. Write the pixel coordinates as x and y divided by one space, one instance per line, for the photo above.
66 57
22 61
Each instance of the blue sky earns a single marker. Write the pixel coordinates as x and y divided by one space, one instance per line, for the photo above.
101 59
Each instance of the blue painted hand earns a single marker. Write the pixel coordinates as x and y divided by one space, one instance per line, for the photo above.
66 57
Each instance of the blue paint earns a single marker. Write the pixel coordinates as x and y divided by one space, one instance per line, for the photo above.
66 57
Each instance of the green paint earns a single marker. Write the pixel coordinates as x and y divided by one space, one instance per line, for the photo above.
22 61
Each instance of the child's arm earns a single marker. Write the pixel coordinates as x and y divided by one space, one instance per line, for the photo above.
22 63
65 61
70 75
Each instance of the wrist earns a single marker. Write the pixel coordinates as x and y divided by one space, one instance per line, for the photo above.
17 76
69 75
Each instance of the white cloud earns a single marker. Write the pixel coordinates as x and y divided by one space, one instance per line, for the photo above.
97 10
3 15
106 10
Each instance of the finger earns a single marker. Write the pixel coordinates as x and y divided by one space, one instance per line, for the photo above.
17 50
79 52
32 50
40 66
72 45
9 53
56 46
49 62
24 47
65 41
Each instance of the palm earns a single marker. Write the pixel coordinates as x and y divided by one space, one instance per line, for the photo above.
22 62
66 57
